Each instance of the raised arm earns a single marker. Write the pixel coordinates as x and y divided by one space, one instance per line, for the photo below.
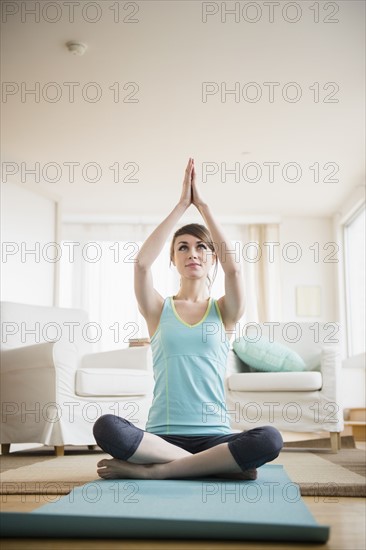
150 302
233 302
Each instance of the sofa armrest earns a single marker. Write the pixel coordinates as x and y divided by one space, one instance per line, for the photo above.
330 367
139 358
38 356
28 380
32 365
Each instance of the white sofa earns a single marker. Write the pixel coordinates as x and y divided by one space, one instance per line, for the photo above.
308 401
53 388
53 391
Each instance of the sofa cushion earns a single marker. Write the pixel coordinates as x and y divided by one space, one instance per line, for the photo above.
234 364
275 381
263 355
136 358
112 382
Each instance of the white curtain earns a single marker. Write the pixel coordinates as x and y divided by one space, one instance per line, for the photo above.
261 261
98 276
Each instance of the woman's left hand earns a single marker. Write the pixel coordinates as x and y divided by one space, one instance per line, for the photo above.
197 199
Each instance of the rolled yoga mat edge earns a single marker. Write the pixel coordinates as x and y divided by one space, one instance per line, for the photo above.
23 525
268 509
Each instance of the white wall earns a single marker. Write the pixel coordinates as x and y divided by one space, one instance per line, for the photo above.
307 271
28 222
312 269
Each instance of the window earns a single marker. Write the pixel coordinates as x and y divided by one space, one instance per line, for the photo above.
101 283
354 243
97 277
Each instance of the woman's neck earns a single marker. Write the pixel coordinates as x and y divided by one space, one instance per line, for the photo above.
190 298
192 291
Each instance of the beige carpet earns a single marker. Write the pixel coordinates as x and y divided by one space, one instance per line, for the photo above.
56 476
316 476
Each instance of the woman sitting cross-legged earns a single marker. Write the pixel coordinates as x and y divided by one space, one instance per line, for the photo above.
188 430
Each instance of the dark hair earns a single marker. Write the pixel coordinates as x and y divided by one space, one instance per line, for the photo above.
202 233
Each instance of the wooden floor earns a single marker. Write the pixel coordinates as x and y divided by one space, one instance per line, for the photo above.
345 516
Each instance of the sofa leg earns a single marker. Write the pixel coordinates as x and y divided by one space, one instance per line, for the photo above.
335 441
59 450
5 448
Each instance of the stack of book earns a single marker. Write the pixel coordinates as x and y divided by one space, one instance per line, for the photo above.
133 342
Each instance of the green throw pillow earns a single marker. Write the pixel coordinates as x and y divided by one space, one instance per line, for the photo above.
266 356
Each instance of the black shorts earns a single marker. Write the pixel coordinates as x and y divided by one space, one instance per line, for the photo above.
250 449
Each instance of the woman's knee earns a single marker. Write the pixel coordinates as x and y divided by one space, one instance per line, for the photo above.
117 436
106 425
272 439
101 425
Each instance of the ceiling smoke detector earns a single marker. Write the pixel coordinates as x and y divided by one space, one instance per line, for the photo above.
76 48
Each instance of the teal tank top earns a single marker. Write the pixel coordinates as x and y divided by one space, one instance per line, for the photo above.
189 363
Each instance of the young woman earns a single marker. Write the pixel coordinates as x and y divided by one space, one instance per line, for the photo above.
188 430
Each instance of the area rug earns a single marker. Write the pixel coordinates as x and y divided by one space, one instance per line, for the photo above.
351 459
42 454
269 508
315 475
56 476
321 443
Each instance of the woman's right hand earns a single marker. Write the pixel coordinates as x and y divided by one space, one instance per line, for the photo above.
186 196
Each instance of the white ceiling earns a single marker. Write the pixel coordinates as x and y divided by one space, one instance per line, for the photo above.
170 52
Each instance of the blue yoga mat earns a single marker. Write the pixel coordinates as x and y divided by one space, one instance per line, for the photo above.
269 508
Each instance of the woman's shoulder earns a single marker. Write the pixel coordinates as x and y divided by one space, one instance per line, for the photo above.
219 304
219 301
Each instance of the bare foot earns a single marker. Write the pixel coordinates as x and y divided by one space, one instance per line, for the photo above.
121 469
248 475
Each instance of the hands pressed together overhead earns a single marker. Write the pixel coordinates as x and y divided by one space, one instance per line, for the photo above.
190 193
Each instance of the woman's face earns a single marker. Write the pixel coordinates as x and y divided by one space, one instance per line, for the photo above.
192 257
